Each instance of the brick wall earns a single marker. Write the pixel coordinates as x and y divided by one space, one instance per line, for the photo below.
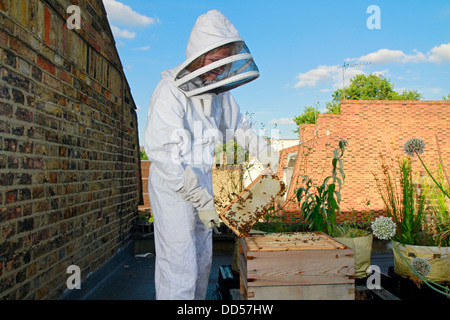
69 149
371 128
283 154
145 167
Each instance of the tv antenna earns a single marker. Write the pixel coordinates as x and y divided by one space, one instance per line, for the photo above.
316 104
347 65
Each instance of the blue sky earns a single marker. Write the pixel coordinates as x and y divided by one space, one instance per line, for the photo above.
298 46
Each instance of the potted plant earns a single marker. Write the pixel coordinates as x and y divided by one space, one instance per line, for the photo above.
319 205
420 233
143 234
144 224
357 235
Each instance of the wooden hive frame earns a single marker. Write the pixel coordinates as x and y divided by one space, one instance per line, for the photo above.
252 204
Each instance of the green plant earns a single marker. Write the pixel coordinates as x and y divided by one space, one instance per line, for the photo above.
235 154
277 219
348 230
143 155
415 147
403 203
145 216
412 224
319 204
413 206
438 223
353 226
437 227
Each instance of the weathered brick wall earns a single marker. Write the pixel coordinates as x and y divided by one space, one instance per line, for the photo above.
371 128
283 154
145 167
69 150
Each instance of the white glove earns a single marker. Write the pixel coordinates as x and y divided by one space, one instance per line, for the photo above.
209 218
269 158
194 193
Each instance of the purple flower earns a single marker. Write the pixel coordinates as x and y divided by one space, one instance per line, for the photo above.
414 146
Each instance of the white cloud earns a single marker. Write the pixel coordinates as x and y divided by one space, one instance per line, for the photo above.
349 74
325 74
440 53
282 121
312 77
384 56
437 54
146 48
119 33
436 91
121 14
381 72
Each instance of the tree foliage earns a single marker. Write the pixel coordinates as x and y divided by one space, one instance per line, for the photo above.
373 87
308 116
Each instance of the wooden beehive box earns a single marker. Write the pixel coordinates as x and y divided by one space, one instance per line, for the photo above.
296 266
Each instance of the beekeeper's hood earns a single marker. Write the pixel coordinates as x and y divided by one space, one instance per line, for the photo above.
217 59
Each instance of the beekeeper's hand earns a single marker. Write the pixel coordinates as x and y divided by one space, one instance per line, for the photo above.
200 198
210 218
269 158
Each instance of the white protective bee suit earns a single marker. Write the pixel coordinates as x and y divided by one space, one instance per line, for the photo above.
188 116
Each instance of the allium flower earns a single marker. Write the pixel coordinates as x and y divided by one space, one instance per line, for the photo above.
421 266
383 228
414 146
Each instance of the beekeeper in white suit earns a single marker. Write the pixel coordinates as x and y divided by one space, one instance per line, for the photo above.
190 112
